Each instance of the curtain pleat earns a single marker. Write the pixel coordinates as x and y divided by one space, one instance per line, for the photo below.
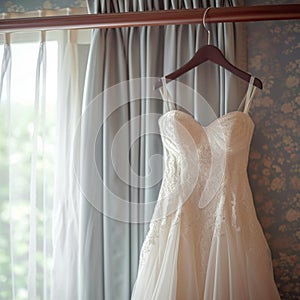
5 94
5 66
66 197
121 165
38 126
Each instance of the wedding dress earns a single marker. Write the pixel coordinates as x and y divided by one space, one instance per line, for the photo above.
205 241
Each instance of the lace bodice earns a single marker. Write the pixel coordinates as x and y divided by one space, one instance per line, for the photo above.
203 164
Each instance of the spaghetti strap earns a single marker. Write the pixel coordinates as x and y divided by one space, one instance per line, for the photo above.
165 94
242 103
247 100
250 95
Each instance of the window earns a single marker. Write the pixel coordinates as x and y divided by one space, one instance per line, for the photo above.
24 225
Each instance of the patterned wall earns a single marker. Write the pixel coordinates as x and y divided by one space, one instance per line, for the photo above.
273 56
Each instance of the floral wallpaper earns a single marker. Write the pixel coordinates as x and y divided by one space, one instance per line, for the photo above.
273 56
30 5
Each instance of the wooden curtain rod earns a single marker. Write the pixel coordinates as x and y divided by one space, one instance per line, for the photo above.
154 18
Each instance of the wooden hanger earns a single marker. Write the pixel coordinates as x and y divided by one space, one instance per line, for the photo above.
211 53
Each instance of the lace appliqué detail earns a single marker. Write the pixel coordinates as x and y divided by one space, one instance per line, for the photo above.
156 229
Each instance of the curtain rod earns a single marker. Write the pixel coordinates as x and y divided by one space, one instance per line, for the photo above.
154 18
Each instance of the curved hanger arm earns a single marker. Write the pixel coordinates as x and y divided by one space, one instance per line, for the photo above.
211 53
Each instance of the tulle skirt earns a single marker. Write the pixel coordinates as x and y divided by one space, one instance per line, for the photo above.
229 264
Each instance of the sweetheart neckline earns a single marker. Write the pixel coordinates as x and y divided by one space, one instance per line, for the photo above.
211 123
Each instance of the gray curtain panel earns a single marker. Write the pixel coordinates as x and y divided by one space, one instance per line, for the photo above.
121 165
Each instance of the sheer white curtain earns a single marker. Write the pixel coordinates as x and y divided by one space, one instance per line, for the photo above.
26 193
67 188
40 85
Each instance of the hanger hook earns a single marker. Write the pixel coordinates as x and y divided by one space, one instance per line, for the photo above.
205 25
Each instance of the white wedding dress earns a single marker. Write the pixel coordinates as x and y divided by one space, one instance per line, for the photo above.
205 241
